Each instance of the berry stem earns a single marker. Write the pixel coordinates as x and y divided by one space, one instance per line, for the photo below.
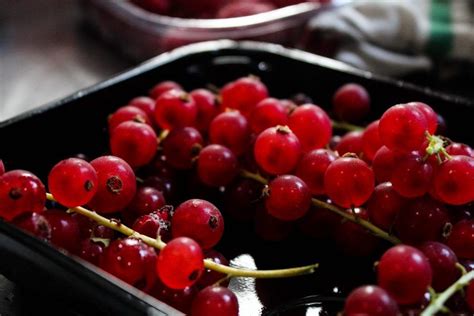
349 216
209 264
437 304
346 126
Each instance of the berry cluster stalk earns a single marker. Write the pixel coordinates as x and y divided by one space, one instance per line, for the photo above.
158 244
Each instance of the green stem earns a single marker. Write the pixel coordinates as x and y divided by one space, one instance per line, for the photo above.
437 304
209 264
346 126
330 207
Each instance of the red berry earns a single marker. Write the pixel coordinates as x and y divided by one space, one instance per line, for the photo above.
461 239
268 113
207 108
199 220
145 104
73 182
405 273
371 140
351 143
65 232
175 108
243 94
162 87
125 114
412 176
146 200
217 165
277 150
313 166
351 102
305 120
232 130
180 263
91 251
182 146
116 185
210 277
35 224
384 163
430 115
215 300
179 299
443 264
370 300
349 182
289 198
454 180
458 149
153 225
384 205
402 128
20 192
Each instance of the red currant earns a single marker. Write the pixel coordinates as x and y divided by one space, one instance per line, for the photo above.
65 232
371 140
443 264
175 108
215 300
412 176
232 130
454 180
268 113
430 115
207 107
370 300
384 205
458 149
162 87
91 250
146 200
351 102
35 224
306 119
313 166
243 94
125 114
182 146
145 104
217 165
461 239
210 277
351 143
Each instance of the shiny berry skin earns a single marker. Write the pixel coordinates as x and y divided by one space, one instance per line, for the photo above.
405 273
371 142
35 224
20 192
181 146
130 260
458 149
305 120
215 300
175 108
91 251
443 264
402 128
312 167
134 142
72 182
429 113
370 300
422 219
199 220
232 130
125 114
461 239
146 200
351 102
277 150
268 113
470 295
384 205
117 184
180 263
383 164
412 176
454 180
207 108
153 225
217 165
289 198
2 167
349 182
243 94
162 87
145 104
351 143
210 277
179 299
65 232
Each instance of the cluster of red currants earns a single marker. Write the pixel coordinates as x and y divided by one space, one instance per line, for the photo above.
220 9
276 162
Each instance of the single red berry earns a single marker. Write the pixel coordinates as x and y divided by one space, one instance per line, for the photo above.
443 264
384 163
370 300
384 205
65 232
180 263
162 87
182 146
277 150
215 300
243 94
232 130
146 200
412 175
429 113
454 180
175 108
73 182
134 142
371 142
210 277
145 104
125 114
179 299
351 102
312 167
305 120
207 108
349 182
405 273
35 224
116 185
268 113
351 142
461 239
91 250
289 198
199 220
217 165
153 225
20 192
458 149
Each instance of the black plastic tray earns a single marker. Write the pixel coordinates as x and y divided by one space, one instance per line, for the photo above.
38 139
